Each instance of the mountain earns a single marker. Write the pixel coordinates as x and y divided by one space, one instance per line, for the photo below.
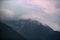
54 36
7 33
33 30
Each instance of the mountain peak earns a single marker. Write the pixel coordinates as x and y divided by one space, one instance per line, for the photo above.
32 29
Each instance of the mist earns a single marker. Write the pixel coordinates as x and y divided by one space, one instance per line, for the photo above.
44 11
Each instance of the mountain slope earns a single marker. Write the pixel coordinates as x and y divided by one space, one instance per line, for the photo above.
7 33
33 30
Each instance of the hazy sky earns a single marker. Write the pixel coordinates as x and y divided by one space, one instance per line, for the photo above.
45 11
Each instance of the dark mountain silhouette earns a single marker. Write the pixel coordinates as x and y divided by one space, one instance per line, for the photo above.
7 33
33 30
54 36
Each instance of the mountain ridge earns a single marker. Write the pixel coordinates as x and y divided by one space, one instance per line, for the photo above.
33 30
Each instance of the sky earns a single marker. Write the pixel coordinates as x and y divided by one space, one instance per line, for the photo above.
45 11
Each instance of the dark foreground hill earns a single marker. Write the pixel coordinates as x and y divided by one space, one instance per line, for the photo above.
29 29
7 33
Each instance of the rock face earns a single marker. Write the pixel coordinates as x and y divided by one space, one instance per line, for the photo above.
33 30
7 33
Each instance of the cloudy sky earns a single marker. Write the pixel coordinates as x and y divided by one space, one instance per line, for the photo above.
45 11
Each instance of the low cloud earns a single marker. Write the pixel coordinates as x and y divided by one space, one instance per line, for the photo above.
44 11
6 14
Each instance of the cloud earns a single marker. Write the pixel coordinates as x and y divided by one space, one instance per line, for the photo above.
6 14
48 6
44 11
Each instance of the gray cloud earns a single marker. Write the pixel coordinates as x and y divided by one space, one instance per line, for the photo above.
47 13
